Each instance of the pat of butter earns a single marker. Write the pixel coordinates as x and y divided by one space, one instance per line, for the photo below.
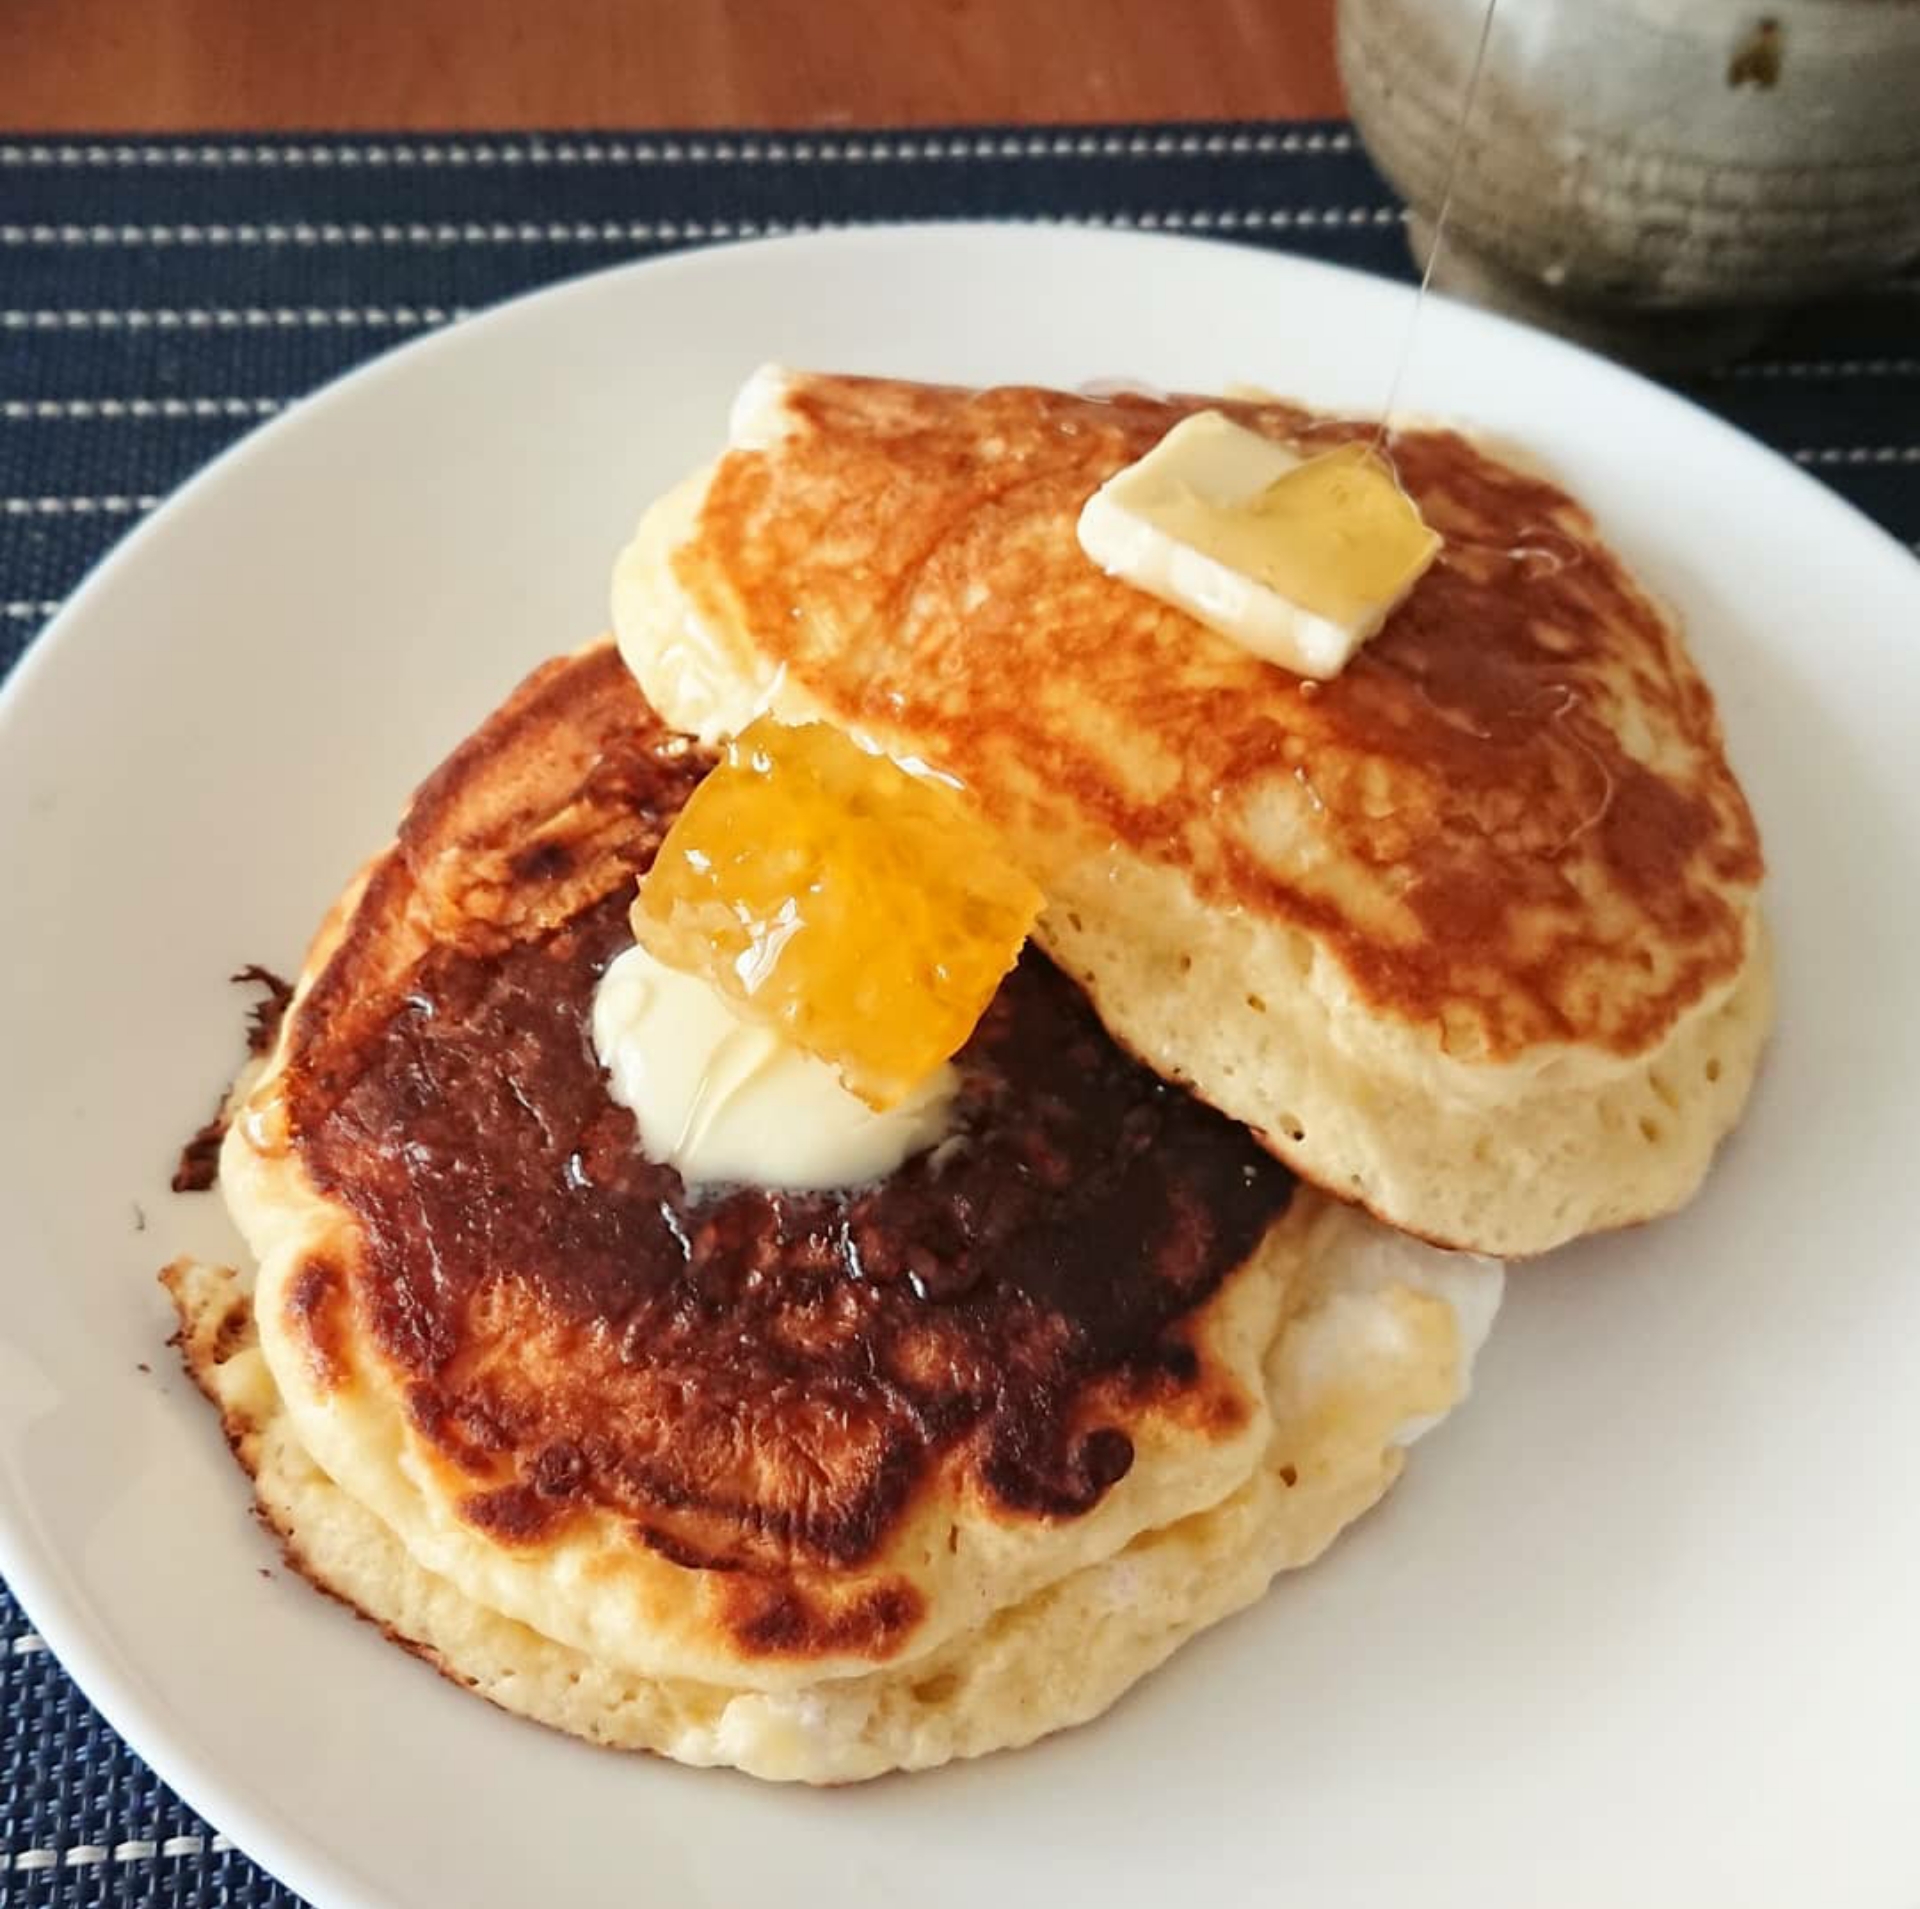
1300 560
721 1099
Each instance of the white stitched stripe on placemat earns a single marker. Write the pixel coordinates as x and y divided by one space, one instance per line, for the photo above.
625 231
1251 219
223 317
84 408
87 1855
1817 368
1859 454
894 150
77 506
414 232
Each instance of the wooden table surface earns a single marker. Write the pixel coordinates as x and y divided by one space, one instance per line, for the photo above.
160 65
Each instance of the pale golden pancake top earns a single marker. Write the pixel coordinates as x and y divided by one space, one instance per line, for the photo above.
1509 820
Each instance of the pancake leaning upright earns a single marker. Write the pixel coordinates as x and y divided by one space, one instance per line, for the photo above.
1468 935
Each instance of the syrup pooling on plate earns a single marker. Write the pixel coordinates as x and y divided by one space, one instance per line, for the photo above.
864 913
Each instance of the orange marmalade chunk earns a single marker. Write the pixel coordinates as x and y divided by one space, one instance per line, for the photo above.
865 914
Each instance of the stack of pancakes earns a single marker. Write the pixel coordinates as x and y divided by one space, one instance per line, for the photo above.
826 1484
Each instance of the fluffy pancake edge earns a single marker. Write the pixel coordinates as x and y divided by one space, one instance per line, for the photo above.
1352 1367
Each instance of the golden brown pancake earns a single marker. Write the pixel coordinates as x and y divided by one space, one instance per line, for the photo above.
1467 934
818 1484
1367 1351
771 1430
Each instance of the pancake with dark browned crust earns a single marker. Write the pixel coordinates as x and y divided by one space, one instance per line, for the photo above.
1468 934
517 1393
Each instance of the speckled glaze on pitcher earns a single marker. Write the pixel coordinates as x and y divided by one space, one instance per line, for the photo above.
1627 159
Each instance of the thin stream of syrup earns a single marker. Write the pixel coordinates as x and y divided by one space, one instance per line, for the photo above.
1467 98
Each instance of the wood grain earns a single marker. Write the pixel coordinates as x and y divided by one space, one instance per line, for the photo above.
121 65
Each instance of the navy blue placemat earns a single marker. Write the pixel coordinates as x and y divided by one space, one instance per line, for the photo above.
159 298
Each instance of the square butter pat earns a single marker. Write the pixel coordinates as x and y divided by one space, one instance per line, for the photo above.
1299 560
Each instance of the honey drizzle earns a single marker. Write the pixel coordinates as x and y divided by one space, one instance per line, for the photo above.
1467 98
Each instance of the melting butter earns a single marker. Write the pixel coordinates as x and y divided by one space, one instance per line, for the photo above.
722 1099
1300 560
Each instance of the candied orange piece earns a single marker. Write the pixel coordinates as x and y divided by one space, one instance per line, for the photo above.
865 913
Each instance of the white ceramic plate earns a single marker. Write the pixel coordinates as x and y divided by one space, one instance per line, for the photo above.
1637 1627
